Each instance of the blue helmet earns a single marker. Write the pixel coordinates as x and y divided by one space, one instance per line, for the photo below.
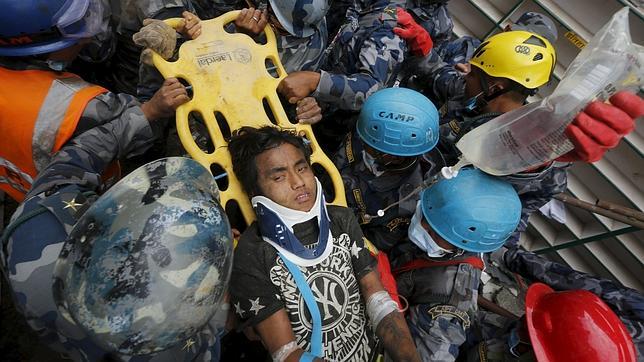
472 211
399 122
146 266
29 27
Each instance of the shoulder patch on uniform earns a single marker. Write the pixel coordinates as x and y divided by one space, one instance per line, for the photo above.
348 149
67 206
453 124
449 310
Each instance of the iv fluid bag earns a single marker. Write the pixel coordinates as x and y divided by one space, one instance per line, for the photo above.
534 134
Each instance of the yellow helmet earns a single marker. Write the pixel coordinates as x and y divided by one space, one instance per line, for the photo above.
524 57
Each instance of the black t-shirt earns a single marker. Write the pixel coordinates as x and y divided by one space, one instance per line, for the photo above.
261 285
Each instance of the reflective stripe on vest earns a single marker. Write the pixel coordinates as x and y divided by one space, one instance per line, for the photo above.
40 111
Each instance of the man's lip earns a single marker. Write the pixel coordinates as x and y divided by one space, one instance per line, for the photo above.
303 196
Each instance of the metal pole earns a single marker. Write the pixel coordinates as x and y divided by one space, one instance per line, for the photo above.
598 210
589 239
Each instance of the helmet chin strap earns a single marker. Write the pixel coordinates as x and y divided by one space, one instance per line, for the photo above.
485 86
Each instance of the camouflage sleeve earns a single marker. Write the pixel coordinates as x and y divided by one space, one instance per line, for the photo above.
446 83
536 191
378 59
627 303
84 157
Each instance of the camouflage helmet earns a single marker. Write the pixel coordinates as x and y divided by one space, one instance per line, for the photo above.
537 23
146 266
298 17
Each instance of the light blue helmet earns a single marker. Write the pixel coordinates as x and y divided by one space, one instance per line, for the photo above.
399 122
473 211
146 266
300 17
30 27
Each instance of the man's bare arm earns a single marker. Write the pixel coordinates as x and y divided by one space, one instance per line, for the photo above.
276 332
392 329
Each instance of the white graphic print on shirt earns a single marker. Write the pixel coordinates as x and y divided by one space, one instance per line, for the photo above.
345 333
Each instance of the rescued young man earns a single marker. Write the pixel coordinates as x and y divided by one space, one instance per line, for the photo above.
302 276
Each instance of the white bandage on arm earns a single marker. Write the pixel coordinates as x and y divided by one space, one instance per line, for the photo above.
379 306
283 352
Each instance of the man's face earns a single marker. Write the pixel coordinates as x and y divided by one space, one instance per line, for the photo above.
437 238
472 83
285 177
386 160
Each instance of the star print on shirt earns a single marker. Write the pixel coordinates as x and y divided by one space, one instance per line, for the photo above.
355 250
238 309
255 306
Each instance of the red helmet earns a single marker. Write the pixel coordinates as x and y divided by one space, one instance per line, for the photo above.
575 325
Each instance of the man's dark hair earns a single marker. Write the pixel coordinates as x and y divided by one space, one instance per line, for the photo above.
249 142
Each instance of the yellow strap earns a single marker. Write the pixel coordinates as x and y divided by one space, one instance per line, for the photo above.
229 75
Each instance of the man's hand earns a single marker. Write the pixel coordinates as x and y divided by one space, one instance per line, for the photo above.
463 68
251 21
191 27
298 85
600 126
418 39
165 101
155 35
308 111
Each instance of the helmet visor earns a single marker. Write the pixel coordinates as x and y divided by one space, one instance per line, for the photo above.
82 19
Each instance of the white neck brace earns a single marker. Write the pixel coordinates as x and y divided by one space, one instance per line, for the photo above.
292 217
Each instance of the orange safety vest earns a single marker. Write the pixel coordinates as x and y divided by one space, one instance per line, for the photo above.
39 111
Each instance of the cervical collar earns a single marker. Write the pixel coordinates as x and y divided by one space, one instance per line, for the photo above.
276 226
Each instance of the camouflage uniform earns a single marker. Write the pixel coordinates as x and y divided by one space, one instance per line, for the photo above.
149 80
127 16
437 80
60 195
491 343
627 303
363 55
442 301
303 53
434 17
367 193
210 9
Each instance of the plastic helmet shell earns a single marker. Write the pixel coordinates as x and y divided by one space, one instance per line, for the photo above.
526 58
472 211
29 27
300 17
575 325
399 122
146 266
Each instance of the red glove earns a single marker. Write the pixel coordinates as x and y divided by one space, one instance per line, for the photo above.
600 126
415 35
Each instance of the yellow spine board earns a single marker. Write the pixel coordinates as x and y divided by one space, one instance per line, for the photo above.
228 74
